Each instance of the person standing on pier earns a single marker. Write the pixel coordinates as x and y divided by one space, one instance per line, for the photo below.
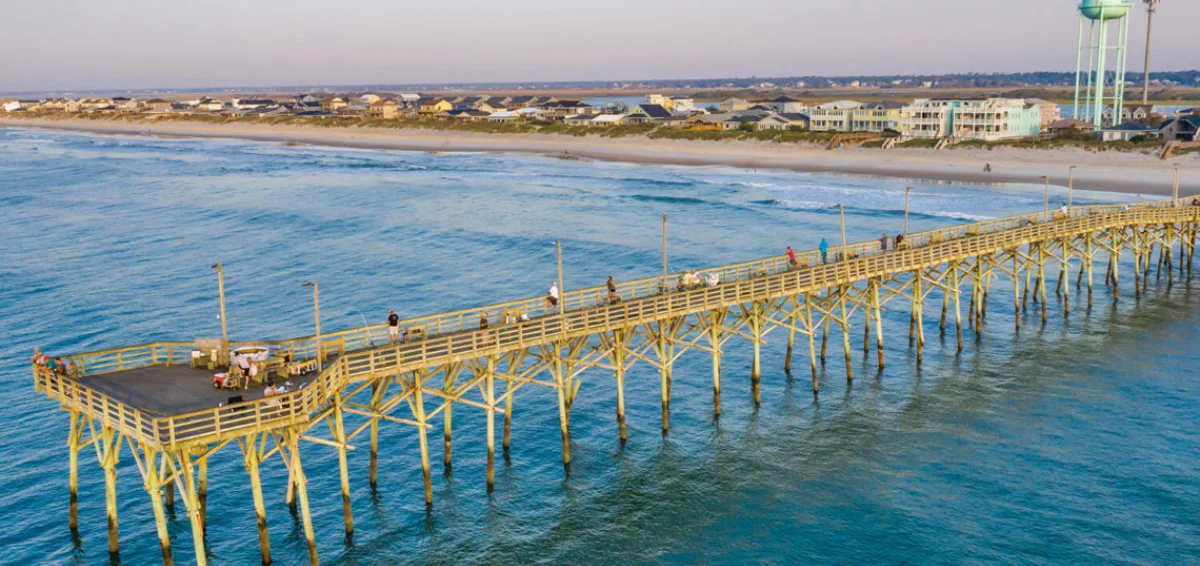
393 326
552 297
791 258
612 290
824 247
883 243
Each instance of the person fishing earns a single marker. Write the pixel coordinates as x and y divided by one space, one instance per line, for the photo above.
824 247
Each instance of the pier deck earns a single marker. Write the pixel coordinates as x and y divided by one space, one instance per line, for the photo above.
147 397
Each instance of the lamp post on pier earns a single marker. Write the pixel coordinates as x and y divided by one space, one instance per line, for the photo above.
1175 184
1071 186
1046 178
562 296
664 252
907 190
223 356
317 318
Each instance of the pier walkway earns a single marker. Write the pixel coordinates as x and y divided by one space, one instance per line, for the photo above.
147 397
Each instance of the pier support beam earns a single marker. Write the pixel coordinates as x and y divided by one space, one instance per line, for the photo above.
756 335
812 342
563 416
154 485
918 308
845 322
490 401
620 341
73 442
109 454
252 453
418 407
716 324
448 421
877 313
956 292
339 434
373 471
302 492
191 501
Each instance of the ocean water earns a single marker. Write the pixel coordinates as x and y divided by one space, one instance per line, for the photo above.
1072 443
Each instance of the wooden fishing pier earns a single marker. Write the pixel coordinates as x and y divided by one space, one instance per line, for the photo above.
147 398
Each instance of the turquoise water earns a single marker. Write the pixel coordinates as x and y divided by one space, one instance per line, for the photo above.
1068 444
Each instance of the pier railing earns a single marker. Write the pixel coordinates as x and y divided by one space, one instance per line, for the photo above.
373 336
775 281
741 283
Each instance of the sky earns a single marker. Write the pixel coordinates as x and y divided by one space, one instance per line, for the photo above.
127 44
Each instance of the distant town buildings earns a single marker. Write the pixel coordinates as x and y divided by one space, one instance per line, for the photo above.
959 119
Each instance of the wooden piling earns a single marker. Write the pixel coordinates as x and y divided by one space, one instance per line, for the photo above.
845 322
918 307
490 401
618 358
154 485
1065 275
812 341
73 468
110 452
302 491
339 435
252 453
561 387
191 500
418 405
756 326
716 323
877 309
202 491
448 421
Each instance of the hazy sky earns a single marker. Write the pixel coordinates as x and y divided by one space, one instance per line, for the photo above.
72 44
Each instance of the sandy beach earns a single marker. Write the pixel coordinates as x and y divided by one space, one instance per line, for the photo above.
1103 171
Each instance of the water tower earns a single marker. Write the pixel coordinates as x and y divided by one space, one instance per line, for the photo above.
1101 86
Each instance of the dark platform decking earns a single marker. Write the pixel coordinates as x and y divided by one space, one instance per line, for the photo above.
173 390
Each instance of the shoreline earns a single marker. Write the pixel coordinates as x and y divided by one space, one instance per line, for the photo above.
1124 172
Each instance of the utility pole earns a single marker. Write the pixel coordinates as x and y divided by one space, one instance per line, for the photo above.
1175 185
317 317
1151 6
223 356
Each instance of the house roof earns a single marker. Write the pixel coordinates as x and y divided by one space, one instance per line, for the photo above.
654 110
784 99
1131 127
795 117
382 102
1193 119
608 118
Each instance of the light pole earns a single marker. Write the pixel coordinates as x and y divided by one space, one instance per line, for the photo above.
317 318
562 296
906 191
1071 186
223 356
842 214
1047 179
1175 184
1151 6
664 250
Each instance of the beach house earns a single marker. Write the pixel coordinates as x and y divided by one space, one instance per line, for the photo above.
927 118
834 116
333 104
876 117
429 107
382 109
1183 128
991 119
